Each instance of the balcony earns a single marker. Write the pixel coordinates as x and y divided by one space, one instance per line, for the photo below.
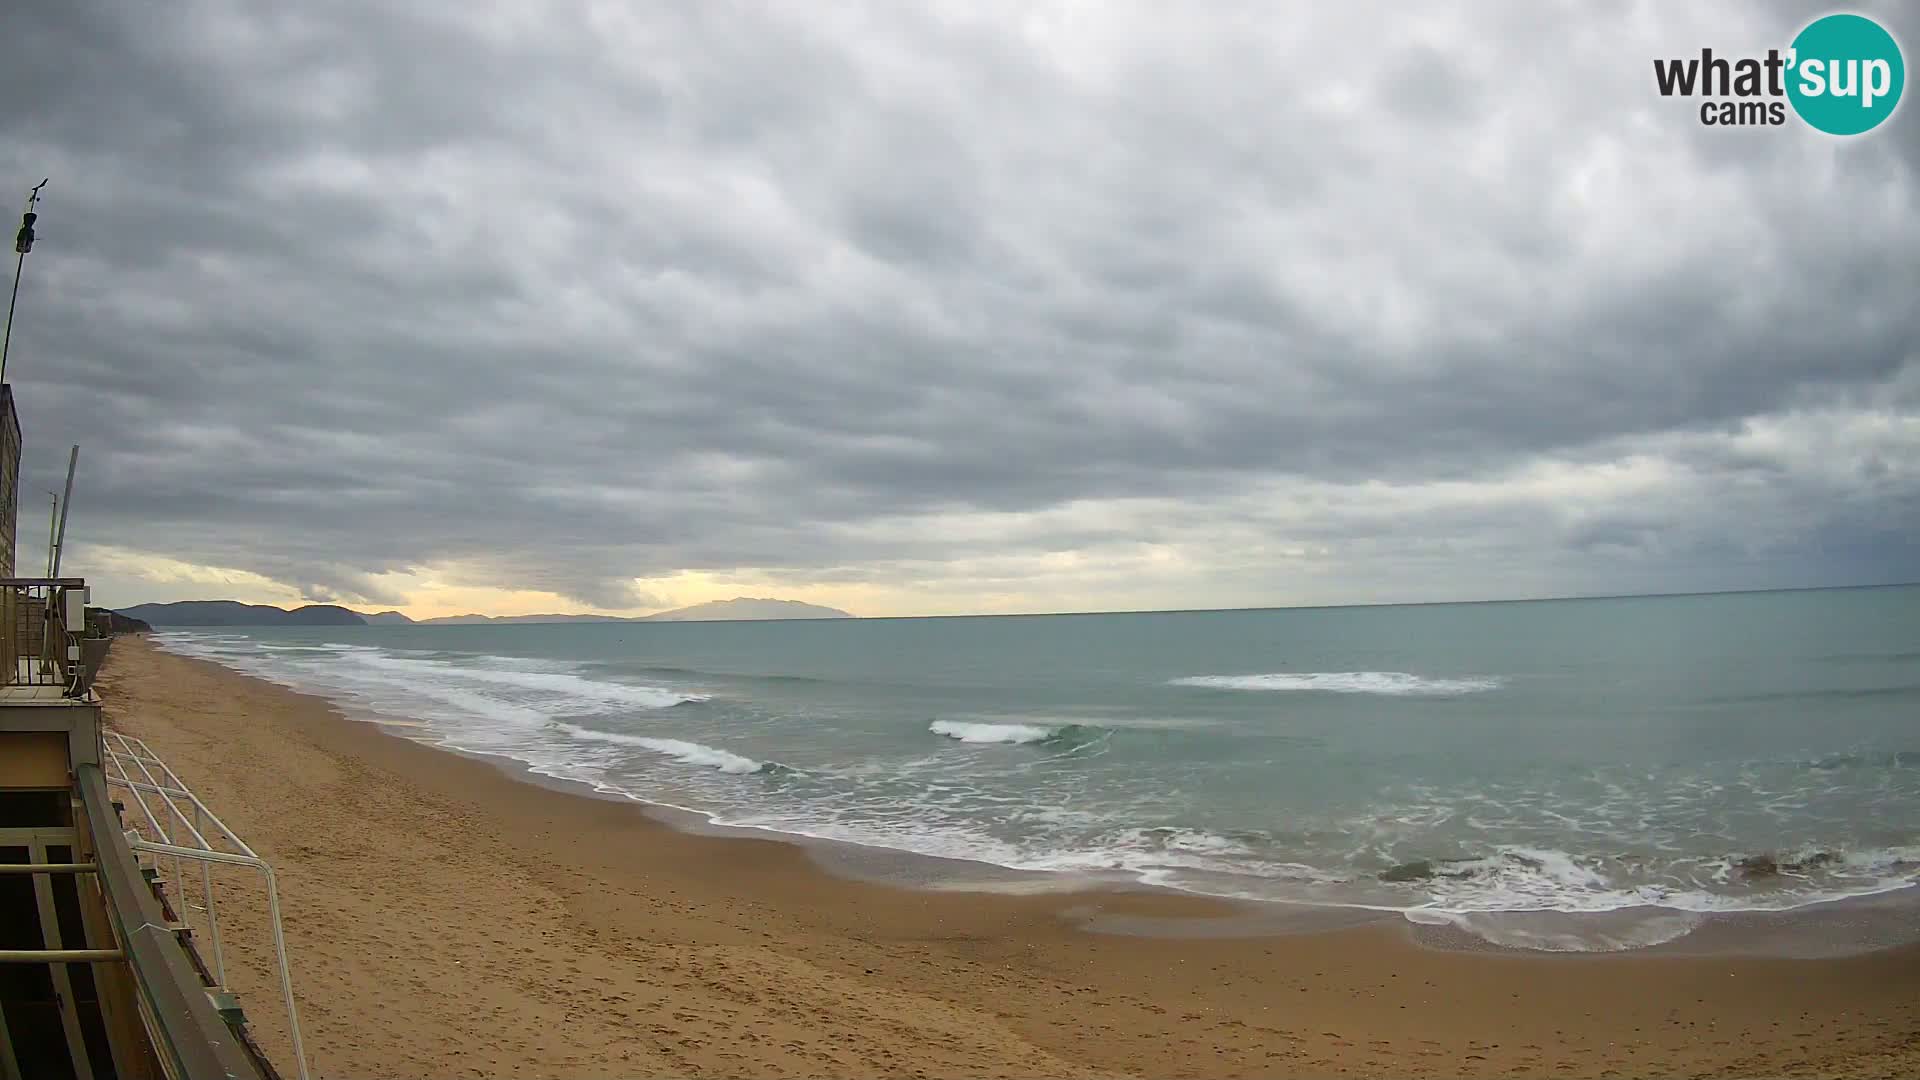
47 652
100 976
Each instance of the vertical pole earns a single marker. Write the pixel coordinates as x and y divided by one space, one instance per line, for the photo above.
66 503
286 973
213 919
179 867
47 611
6 343
22 244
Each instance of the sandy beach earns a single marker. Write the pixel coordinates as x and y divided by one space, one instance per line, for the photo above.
446 918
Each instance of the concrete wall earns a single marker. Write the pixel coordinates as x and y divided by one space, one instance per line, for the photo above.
33 759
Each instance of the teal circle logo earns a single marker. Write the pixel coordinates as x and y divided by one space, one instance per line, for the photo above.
1845 74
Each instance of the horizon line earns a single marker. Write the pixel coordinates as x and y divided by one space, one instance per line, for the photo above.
1119 611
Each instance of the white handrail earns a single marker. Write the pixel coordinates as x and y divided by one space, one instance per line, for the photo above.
273 916
206 854
160 829
153 759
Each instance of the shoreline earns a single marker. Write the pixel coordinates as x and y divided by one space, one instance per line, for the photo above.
597 939
1831 925
901 870
1842 926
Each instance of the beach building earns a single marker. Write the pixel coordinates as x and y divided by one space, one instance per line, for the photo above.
101 977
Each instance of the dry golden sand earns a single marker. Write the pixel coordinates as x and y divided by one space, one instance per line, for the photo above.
448 920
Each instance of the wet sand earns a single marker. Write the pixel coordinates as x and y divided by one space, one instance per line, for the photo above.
446 918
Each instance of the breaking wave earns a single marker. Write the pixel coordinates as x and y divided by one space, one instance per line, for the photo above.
1516 878
1647 857
1062 735
563 686
1397 683
990 733
690 753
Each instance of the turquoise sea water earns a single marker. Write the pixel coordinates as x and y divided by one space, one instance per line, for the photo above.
1591 756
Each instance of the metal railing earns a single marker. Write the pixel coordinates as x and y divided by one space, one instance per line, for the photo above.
42 621
178 1015
179 831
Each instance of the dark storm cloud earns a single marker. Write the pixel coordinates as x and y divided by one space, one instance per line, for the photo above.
567 299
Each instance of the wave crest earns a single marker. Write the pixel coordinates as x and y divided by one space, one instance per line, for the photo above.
990 733
967 731
690 753
560 685
1396 683
1517 878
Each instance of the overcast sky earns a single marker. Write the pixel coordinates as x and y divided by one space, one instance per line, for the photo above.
918 308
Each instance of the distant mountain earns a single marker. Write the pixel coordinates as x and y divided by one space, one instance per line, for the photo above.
745 608
116 623
234 613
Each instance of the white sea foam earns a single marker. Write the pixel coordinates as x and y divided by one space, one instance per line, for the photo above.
1396 683
990 733
562 686
1087 721
1191 860
413 692
194 644
1890 860
1525 896
1530 879
691 753
495 708
1524 879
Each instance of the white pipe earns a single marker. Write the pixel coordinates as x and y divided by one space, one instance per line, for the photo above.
273 915
211 816
171 806
128 782
206 854
179 872
286 976
141 785
213 917
174 807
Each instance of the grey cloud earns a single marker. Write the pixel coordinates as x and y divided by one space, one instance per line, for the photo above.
349 290
1426 85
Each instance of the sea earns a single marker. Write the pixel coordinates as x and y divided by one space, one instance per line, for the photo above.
1596 774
